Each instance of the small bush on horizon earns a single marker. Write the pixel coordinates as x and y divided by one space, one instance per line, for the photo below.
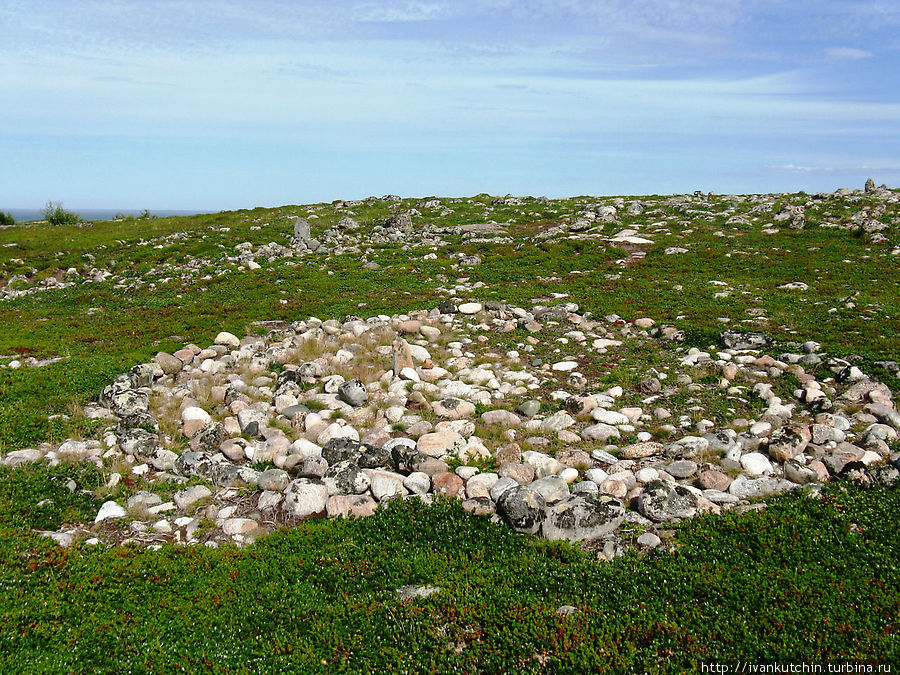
6 218
55 214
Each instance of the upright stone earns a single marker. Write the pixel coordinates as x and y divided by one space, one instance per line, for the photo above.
301 229
401 356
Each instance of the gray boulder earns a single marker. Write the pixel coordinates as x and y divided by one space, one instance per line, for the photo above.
124 402
346 478
404 454
341 449
301 229
194 463
209 438
522 509
664 502
583 516
302 499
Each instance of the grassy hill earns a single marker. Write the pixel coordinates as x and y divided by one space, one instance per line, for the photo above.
805 579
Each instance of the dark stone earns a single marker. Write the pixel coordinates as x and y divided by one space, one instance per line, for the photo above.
447 307
209 438
522 509
137 420
340 449
138 442
373 457
345 478
193 463
403 453
141 375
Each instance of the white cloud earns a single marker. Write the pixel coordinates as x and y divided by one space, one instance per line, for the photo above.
875 167
849 53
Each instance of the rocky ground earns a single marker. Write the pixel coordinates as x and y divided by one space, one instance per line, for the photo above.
508 409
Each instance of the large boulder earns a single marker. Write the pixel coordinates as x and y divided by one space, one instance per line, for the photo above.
522 509
301 229
583 516
303 500
664 502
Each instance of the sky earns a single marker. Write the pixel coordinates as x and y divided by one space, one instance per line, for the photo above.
226 104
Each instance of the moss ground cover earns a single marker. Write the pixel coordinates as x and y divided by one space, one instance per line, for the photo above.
806 579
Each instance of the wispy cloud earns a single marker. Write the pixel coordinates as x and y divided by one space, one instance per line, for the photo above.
849 53
875 167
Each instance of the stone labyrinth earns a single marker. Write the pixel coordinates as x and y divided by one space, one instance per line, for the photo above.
507 410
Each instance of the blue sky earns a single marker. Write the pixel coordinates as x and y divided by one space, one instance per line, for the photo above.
220 104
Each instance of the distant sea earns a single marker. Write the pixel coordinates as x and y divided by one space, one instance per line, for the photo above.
27 215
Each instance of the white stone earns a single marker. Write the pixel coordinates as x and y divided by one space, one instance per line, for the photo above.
470 308
756 464
227 339
543 465
569 475
110 510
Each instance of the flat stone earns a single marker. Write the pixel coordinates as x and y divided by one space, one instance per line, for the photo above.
189 496
683 468
746 488
503 418
600 432
641 450
470 308
440 443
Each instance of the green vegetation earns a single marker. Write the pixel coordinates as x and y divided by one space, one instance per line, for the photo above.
56 215
322 597
6 219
